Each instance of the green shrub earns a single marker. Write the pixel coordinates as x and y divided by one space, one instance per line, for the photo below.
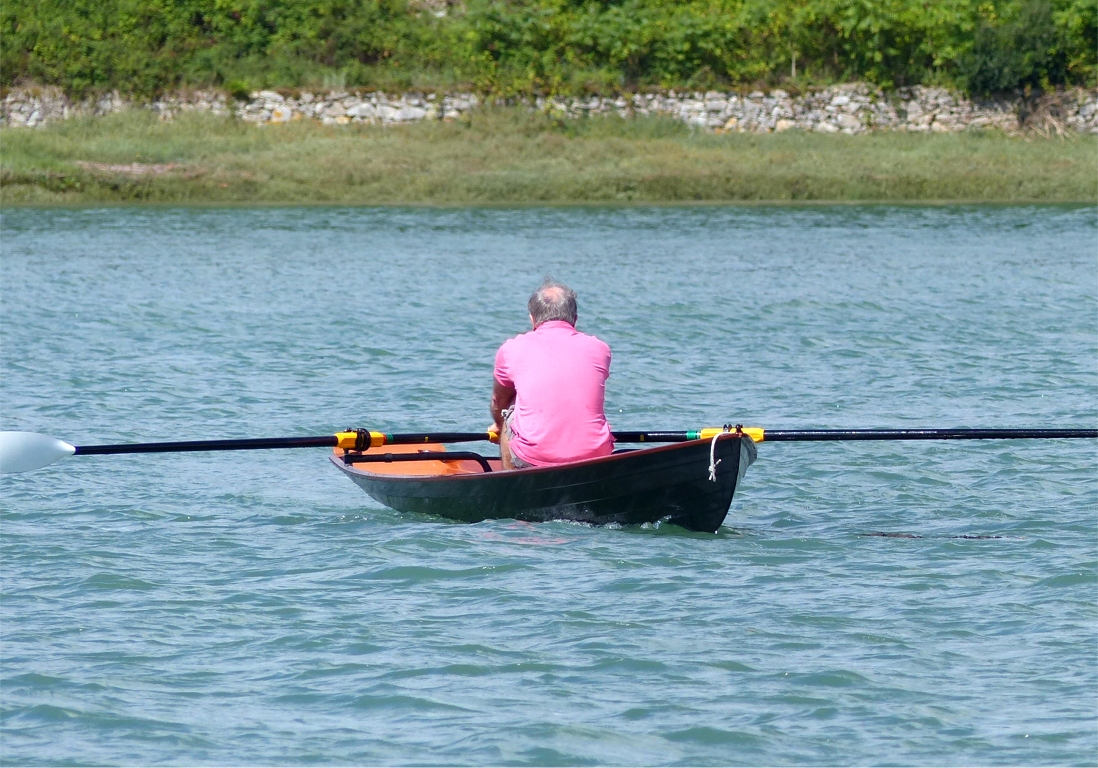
238 89
1024 50
545 46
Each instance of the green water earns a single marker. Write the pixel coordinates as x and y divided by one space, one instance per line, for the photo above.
259 609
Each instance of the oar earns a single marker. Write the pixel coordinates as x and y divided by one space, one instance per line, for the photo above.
26 451
759 434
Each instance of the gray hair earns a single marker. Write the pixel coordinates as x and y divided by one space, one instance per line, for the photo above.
552 301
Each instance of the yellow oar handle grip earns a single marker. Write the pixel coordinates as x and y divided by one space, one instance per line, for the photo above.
493 436
757 434
360 440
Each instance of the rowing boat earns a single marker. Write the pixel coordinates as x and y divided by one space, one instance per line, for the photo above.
668 483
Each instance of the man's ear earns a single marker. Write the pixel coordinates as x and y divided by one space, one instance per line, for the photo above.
532 321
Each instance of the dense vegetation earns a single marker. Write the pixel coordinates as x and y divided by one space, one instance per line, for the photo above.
560 46
514 155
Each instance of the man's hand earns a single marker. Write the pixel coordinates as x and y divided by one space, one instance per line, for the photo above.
502 399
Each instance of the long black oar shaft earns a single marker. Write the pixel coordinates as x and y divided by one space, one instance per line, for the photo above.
357 440
182 446
808 435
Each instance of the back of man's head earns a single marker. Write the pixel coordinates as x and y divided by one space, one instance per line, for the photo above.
552 301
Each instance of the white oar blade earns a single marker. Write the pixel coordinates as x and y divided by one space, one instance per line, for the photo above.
26 451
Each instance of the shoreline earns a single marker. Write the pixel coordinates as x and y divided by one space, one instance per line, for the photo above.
512 157
521 206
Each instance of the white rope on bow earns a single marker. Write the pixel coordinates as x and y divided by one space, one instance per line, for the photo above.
713 460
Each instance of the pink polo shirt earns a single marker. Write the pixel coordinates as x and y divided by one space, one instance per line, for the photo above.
559 376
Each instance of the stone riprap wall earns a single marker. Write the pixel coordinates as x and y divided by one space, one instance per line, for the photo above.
337 108
852 109
35 107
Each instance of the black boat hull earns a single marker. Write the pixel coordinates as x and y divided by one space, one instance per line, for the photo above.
667 483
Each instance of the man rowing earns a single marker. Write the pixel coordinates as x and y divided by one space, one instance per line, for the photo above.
550 387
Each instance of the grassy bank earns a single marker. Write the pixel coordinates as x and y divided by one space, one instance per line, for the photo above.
514 156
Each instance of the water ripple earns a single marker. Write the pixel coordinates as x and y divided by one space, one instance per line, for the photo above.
865 603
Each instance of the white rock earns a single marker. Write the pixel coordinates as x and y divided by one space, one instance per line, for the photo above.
825 127
408 114
362 110
849 121
282 114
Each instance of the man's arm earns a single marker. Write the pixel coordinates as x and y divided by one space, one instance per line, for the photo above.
502 399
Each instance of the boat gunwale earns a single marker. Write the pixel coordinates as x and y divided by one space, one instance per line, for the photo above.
350 469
